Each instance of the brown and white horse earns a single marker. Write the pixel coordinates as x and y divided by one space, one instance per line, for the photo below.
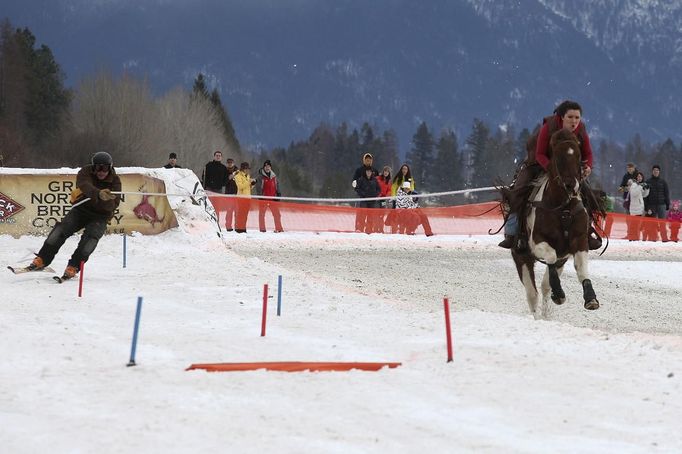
557 228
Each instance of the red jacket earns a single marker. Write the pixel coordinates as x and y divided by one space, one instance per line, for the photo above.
268 184
385 186
543 143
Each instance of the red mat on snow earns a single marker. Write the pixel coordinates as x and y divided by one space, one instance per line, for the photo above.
292 366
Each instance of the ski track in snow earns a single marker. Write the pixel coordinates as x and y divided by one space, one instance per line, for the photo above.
601 381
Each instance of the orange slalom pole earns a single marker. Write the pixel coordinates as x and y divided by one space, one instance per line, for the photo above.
448 334
80 280
265 309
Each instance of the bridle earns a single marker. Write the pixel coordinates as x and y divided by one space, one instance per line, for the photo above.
557 177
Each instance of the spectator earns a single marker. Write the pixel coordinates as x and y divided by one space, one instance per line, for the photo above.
231 202
658 201
214 177
605 224
408 221
367 160
675 218
269 186
172 162
244 185
637 190
404 174
630 174
366 187
384 181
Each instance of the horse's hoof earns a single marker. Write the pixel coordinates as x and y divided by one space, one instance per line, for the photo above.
559 301
592 305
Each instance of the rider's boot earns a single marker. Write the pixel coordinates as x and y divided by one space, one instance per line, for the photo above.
508 241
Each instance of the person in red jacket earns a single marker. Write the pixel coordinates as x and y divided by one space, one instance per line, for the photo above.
567 115
269 186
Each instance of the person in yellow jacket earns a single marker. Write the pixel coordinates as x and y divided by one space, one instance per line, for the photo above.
404 174
244 185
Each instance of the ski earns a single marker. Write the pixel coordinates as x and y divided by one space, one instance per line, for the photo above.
24 269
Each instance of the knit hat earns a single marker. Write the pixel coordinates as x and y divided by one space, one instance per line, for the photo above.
367 155
406 185
675 204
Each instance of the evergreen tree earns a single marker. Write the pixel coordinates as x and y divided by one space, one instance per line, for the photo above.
225 121
33 100
521 147
477 145
420 157
199 89
447 165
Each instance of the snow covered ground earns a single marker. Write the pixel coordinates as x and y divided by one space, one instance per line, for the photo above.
604 381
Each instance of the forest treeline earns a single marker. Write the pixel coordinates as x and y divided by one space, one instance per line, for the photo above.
43 124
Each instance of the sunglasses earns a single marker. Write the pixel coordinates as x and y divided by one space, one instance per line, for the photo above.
102 167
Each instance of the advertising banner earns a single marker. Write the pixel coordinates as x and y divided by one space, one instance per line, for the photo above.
32 204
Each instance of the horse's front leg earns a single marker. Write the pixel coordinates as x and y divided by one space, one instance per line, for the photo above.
581 269
554 273
525 267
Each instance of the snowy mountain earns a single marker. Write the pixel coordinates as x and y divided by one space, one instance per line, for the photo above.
285 66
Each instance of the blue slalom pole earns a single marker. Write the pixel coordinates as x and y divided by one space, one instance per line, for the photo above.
137 327
124 250
279 295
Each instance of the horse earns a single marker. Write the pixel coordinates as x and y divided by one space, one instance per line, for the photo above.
557 226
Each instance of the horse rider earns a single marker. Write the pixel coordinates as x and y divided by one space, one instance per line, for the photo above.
567 115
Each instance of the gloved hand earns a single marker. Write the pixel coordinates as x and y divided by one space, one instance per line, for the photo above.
105 194
354 184
667 208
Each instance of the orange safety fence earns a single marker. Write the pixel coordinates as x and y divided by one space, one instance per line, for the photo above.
474 219
259 214
639 228
293 366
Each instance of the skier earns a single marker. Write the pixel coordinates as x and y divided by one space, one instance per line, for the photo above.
96 182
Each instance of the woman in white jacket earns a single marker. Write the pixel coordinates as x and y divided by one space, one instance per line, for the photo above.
637 191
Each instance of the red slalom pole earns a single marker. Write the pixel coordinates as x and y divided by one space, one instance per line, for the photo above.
80 280
448 334
265 309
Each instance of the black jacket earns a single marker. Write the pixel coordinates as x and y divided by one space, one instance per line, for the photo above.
214 177
658 194
360 172
626 177
231 187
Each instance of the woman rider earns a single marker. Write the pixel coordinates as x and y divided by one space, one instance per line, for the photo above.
567 115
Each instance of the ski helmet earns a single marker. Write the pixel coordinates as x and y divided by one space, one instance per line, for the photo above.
102 158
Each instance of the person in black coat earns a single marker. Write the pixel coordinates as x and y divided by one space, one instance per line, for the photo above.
367 186
367 160
215 176
630 174
172 162
657 203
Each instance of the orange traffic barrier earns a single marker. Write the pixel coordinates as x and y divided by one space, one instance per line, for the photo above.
292 366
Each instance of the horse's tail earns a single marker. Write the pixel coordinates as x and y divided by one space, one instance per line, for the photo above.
503 204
